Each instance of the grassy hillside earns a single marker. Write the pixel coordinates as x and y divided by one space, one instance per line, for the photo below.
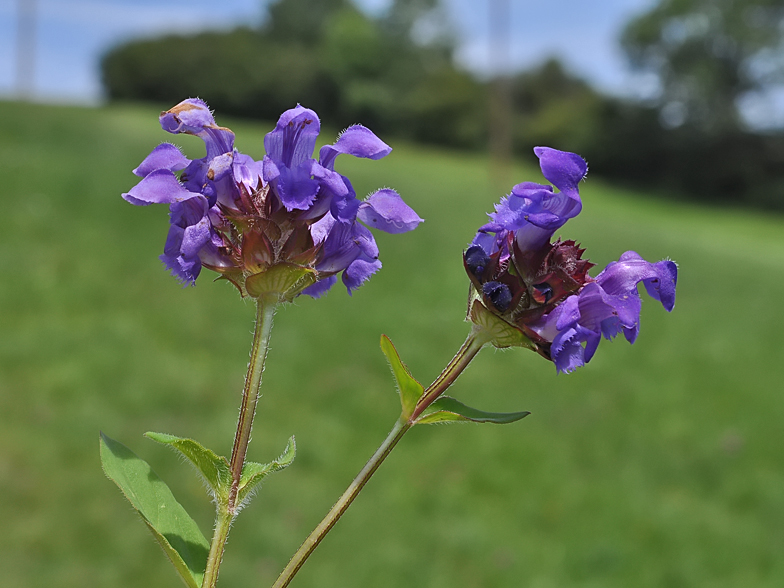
658 465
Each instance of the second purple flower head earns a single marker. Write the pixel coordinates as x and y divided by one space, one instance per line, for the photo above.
541 289
286 225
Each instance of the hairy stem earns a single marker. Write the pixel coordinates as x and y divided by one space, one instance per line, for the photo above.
459 362
265 309
223 521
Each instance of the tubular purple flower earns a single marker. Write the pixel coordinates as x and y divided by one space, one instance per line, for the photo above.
329 198
534 211
288 214
543 289
604 308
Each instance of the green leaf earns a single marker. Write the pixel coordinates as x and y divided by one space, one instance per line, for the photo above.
448 410
176 532
214 468
410 390
253 473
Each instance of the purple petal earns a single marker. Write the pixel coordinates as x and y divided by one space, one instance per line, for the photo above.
344 244
189 212
594 311
211 255
365 241
194 238
193 117
195 175
626 317
487 241
356 140
526 204
158 187
320 206
534 212
622 276
595 306
270 169
567 350
345 209
321 287
339 249
320 229
662 287
189 116
185 270
332 186
359 271
189 232
180 254
247 171
562 169
385 210
568 313
294 186
164 156
294 137
221 180
335 183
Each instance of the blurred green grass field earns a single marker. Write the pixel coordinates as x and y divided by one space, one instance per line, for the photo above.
658 465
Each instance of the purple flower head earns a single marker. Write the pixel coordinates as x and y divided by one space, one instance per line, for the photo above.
543 289
285 225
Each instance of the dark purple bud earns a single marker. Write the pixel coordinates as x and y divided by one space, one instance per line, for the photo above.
476 260
499 294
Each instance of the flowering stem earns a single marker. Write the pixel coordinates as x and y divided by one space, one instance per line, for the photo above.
265 310
459 362
471 346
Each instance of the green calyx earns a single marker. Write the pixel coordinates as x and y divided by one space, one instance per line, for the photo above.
284 280
494 329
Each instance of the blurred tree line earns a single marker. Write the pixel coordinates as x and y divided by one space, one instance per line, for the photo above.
395 73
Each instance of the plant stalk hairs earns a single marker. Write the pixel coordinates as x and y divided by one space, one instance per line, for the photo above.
288 225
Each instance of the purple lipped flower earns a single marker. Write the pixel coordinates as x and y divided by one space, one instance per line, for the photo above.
543 289
284 225
328 199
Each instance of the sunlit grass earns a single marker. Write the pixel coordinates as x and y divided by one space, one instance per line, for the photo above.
657 465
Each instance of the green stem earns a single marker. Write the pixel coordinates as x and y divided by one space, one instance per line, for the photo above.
471 346
223 521
459 362
265 310
341 505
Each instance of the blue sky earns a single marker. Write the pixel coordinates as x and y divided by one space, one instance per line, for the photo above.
72 34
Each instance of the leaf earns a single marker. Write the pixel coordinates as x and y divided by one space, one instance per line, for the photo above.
446 409
176 532
409 389
214 468
253 473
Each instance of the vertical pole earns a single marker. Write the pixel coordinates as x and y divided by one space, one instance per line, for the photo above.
500 97
25 49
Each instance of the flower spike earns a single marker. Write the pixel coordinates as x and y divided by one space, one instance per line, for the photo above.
542 288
